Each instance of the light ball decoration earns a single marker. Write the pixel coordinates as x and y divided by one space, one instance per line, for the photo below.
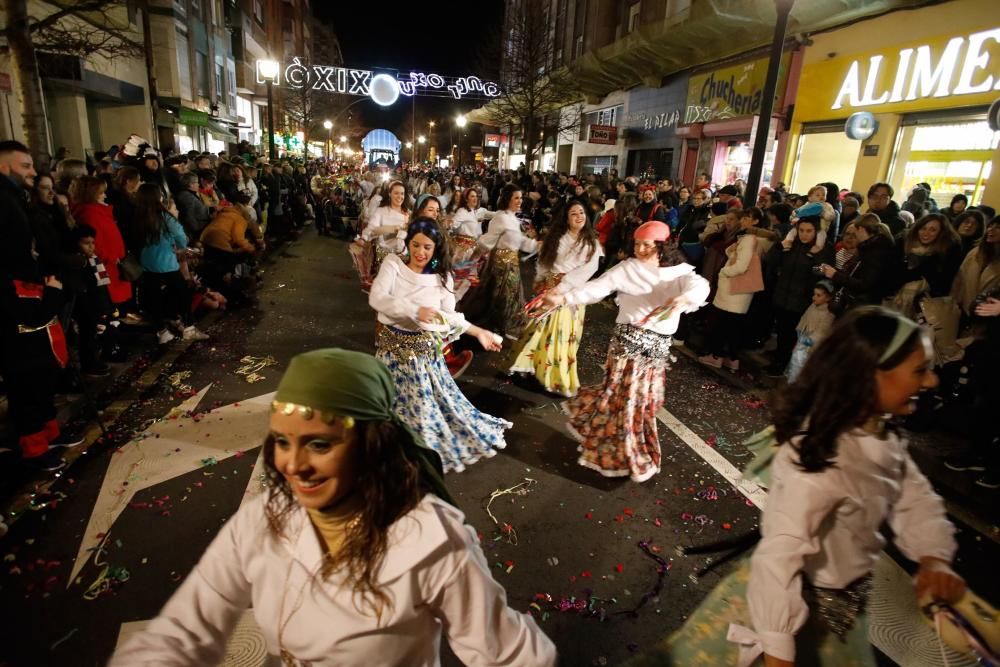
384 90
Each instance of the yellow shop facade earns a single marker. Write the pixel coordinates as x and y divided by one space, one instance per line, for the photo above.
928 77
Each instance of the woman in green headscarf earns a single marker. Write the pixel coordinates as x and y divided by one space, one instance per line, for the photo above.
355 550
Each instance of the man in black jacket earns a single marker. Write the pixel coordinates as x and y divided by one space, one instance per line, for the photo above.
881 204
34 344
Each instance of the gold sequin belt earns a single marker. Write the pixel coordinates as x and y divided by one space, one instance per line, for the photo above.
505 256
550 281
463 241
838 607
405 345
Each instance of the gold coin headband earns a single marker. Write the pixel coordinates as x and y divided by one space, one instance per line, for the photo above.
307 413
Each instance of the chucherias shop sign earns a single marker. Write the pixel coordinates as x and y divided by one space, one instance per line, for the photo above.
382 87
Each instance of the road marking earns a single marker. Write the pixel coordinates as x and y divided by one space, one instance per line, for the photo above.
753 491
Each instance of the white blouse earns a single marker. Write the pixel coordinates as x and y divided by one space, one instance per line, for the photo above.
825 525
386 216
572 262
397 294
505 233
470 223
434 572
641 289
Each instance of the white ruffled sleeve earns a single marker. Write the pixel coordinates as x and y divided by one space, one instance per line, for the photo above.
381 298
918 519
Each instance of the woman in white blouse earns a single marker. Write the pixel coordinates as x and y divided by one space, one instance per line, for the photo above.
839 474
616 420
548 345
354 555
385 224
415 303
499 299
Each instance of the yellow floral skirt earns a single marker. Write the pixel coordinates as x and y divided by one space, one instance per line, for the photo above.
547 349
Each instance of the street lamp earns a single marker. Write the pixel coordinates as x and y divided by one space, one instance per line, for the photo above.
269 70
328 124
409 145
460 121
343 138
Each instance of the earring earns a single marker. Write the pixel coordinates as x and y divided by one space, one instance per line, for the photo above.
434 263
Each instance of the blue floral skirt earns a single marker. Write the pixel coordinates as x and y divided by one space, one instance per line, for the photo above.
430 402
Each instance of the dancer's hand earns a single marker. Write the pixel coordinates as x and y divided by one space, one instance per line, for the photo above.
937 578
427 315
551 300
490 341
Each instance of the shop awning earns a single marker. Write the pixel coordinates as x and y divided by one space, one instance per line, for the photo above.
220 130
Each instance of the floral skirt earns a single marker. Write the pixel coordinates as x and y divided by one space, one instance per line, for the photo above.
429 401
616 421
497 303
702 640
547 349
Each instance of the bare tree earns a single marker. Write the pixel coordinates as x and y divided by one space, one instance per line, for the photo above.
308 108
82 28
539 96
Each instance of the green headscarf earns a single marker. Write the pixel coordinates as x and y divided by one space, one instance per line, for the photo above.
354 384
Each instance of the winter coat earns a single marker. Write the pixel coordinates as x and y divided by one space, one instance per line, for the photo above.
227 232
160 257
796 279
974 279
109 245
739 255
193 213
874 277
890 216
938 269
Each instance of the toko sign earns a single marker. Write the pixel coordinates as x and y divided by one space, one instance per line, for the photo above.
965 66
299 75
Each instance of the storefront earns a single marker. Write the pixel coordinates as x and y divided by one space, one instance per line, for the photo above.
649 129
927 86
721 121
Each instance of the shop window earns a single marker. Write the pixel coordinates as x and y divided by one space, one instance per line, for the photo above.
597 164
953 158
733 161
825 157
633 16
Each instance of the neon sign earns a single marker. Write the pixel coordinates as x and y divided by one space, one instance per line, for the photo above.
925 78
299 75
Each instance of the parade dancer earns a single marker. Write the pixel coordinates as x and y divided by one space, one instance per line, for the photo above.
467 226
354 550
839 473
548 345
384 225
616 420
416 310
498 301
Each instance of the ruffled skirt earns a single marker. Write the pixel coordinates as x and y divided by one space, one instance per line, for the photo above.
615 421
548 347
429 401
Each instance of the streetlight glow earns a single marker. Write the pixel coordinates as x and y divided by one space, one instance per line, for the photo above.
422 139
328 124
343 138
409 144
461 120
268 69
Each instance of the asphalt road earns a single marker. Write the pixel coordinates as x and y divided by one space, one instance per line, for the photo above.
571 535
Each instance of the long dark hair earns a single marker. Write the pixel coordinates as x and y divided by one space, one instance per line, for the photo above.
441 261
947 237
387 199
390 486
149 218
560 226
503 203
836 390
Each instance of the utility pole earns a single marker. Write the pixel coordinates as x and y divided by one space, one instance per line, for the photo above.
784 7
147 42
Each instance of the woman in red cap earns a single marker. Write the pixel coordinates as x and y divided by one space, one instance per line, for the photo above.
616 420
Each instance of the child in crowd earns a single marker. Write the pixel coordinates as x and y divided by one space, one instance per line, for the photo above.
93 310
816 205
813 327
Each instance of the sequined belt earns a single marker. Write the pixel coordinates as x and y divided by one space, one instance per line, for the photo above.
838 607
23 329
406 345
635 342
505 256
550 281
463 241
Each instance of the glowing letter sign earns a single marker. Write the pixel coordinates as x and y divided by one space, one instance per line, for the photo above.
926 78
359 82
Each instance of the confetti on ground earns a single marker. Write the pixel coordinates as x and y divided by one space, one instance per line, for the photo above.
251 366
506 530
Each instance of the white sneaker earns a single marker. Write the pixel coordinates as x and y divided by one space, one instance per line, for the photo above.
165 337
193 333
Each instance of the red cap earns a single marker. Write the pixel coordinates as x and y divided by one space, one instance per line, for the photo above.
654 230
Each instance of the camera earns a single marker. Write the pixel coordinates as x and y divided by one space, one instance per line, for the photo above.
817 270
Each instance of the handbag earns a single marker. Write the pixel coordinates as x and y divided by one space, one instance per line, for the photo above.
842 300
129 268
751 280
